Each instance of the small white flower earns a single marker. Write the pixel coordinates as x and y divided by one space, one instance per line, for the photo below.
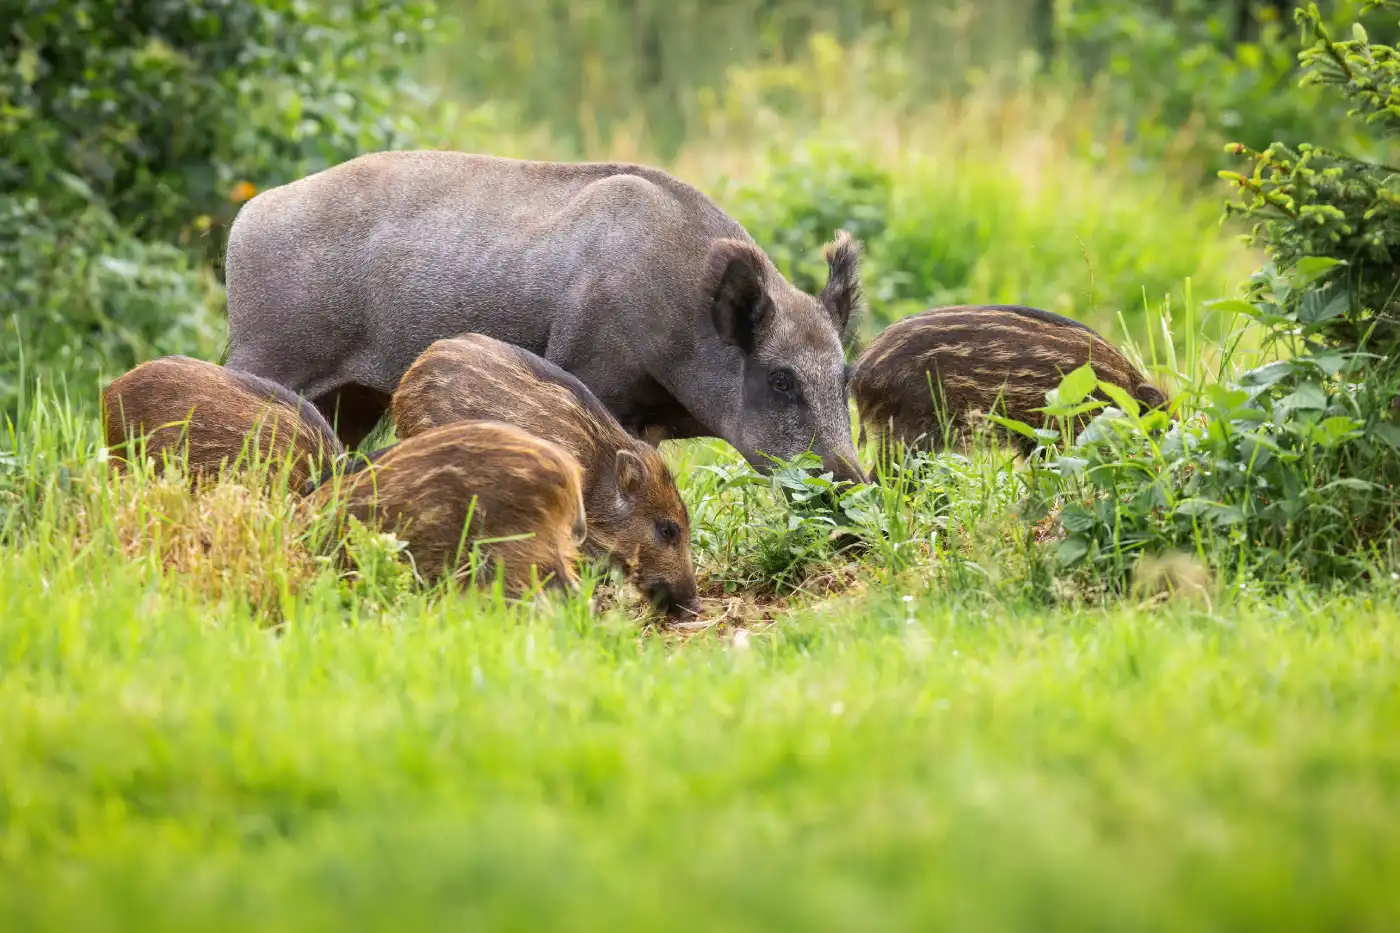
741 639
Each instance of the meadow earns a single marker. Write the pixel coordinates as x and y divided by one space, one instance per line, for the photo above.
945 725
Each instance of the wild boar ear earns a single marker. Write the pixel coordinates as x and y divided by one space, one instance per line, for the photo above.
631 473
739 305
842 293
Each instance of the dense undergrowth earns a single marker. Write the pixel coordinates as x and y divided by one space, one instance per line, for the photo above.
1143 679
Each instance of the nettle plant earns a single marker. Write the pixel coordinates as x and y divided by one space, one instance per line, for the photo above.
1291 467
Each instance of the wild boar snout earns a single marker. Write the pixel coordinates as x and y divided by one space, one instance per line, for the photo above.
845 467
678 599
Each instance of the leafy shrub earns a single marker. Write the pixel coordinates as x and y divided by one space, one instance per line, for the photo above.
133 129
88 300
1227 66
1301 455
1274 481
807 193
160 108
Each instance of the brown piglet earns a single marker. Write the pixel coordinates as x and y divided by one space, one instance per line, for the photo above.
928 376
220 417
636 517
462 486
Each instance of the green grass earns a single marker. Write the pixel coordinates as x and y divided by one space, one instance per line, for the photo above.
966 743
204 727
907 759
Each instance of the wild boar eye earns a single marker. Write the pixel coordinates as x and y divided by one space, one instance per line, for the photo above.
668 532
782 380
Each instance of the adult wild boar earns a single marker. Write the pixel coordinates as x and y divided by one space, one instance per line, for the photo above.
633 281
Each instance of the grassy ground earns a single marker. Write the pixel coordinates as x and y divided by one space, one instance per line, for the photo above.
968 743
204 726
899 759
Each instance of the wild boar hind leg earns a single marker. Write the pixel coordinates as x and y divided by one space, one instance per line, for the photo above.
349 395
354 410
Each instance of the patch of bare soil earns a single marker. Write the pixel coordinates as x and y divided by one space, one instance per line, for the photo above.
738 614
1044 530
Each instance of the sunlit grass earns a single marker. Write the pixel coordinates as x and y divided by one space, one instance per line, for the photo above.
204 724
913 756
936 730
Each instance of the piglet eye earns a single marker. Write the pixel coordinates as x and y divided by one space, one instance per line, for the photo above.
668 531
781 380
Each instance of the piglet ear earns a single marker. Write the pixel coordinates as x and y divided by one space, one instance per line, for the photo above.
739 304
631 473
841 296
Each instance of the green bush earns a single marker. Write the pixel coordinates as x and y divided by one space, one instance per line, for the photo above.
1299 458
807 192
132 130
160 108
86 299
1185 76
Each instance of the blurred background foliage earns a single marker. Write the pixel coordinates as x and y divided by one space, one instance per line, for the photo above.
1054 152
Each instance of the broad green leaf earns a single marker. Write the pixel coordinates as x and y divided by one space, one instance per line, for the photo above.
1336 429
1250 414
75 184
1094 433
1232 306
1225 398
1352 482
1388 433
1308 396
1151 496
1256 449
1332 362
1310 268
1075 385
1225 514
1076 518
1070 466
1194 507
1318 307
1011 424
1120 398
1071 550
1072 411
1269 373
